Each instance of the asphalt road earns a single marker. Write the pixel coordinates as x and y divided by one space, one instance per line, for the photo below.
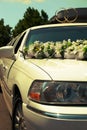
5 120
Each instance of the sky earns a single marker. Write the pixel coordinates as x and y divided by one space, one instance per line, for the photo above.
13 10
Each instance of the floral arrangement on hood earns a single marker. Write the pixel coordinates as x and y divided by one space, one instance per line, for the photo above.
65 49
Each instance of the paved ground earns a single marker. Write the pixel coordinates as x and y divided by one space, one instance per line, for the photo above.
5 120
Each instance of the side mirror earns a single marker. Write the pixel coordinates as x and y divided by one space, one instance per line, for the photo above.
7 52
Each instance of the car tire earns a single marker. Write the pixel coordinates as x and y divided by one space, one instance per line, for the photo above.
18 122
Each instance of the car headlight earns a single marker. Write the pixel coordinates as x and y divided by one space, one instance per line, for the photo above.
55 92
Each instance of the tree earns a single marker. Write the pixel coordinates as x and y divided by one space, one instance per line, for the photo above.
18 28
44 17
5 33
31 17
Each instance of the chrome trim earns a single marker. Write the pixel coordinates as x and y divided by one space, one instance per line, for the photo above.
58 115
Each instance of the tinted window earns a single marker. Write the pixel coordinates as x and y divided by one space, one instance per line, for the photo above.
57 34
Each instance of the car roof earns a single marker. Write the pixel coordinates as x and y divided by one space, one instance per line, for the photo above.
58 25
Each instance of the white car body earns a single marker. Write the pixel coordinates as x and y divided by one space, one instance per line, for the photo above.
17 75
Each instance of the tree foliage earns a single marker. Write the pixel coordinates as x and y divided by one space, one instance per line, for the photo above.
5 33
32 17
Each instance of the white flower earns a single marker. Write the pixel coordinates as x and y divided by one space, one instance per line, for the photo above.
59 49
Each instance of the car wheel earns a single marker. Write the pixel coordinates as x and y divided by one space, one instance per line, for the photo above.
18 118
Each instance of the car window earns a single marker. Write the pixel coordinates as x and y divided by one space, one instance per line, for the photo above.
55 34
17 42
11 43
57 42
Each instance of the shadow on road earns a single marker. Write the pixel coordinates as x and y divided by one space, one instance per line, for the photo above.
5 120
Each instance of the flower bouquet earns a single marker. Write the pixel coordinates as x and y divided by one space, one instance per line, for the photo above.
61 49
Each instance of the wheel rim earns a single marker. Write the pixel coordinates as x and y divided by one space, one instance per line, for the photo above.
19 122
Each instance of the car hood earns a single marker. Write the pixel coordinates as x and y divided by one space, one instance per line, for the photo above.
58 69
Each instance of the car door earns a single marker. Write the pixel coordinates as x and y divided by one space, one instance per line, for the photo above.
7 66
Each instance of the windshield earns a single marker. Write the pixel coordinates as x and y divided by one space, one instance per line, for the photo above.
57 34
54 40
